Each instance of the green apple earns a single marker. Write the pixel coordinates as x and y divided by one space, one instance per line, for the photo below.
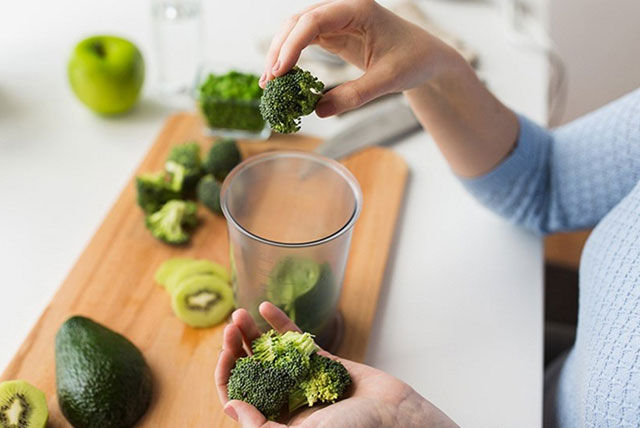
106 73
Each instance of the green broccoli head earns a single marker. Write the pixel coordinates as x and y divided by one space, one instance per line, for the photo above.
285 370
260 384
170 222
187 155
156 189
208 192
327 382
287 98
222 158
289 351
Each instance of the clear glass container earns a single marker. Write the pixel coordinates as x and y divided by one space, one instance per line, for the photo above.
290 217
235 118
178 44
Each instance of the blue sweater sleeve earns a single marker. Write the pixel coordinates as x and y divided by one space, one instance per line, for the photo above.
568 178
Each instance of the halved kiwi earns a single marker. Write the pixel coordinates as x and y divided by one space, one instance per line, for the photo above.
202 300
22 405
195 267
169 267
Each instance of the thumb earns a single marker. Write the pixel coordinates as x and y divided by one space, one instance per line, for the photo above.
247 415
350 95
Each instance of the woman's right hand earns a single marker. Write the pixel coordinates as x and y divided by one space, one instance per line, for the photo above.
394 54
472 128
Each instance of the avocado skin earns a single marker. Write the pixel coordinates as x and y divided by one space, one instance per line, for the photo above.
102 379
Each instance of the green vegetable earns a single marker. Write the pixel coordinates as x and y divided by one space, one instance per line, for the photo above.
208 192
187 155
314 309
223 156
231 101
168 224
102 379
303 289
289 351
156 189
289 97
328 380
284 371
291 278
262 385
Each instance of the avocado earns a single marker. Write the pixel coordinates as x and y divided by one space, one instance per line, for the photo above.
102 379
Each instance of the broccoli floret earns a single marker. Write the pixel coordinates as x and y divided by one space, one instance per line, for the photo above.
209 193
262 385
169 222
156 189
290 351
327 382
285 370
287 98
187 155
222 158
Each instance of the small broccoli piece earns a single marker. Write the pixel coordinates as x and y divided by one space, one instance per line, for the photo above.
289 351
327 382
169 222
187 155
260 384
208 192
287 98
222 158
156 189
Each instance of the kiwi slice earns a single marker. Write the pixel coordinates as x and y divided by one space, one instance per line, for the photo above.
22 405
168 267
202 300
196 267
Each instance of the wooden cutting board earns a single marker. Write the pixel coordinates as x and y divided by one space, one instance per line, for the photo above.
112 282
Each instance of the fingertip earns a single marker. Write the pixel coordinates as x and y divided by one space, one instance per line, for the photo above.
231 412
237 315
265 306
325 108
246 414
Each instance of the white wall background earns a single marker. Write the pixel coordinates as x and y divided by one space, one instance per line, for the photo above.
599 41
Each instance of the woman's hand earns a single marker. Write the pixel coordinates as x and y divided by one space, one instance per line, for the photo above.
394 54
376 399
472 128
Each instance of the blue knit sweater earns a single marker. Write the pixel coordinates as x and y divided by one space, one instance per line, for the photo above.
586 174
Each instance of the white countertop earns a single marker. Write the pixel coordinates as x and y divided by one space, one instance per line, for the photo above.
461 312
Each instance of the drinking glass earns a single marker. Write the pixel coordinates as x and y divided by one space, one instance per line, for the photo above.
290 217
177 37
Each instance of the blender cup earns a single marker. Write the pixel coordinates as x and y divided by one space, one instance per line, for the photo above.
290 217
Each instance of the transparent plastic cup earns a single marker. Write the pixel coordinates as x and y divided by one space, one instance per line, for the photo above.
290 217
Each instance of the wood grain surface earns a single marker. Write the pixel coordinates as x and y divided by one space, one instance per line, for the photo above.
112 283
